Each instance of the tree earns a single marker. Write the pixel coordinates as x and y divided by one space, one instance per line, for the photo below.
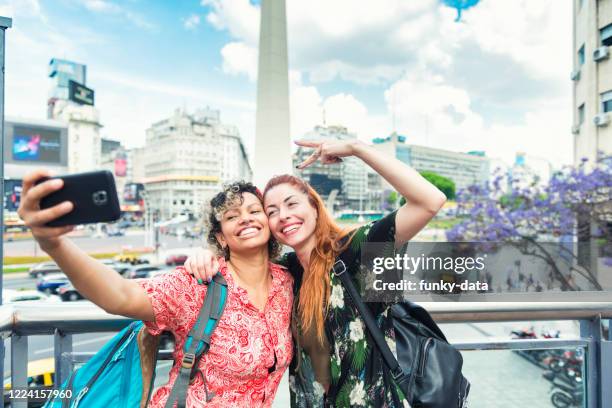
392 198
525 216
444 184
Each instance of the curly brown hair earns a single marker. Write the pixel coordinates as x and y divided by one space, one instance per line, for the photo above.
231 195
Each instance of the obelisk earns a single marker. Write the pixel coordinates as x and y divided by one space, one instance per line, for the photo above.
272 138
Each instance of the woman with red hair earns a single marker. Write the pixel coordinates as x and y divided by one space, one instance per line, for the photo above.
334 363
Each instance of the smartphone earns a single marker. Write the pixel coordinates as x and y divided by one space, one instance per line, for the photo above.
93 195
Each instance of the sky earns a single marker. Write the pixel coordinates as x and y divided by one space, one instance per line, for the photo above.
498 80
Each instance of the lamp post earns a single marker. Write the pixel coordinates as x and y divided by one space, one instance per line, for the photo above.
4 24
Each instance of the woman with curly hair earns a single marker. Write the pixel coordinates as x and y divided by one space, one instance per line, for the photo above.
335 364
251 346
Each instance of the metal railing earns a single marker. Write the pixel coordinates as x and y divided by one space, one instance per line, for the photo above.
63 320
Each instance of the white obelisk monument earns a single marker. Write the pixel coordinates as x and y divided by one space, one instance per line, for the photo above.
272 137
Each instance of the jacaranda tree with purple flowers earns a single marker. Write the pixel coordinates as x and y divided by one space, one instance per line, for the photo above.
576 202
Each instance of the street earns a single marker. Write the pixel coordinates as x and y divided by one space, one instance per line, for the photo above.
132 239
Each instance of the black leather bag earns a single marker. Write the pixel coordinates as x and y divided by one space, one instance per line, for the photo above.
427 367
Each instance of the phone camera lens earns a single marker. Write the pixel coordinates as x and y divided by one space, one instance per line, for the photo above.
100 197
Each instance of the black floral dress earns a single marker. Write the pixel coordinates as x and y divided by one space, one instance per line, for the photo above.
359 376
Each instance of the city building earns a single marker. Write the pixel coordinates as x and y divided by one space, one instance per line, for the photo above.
464 169
70 101
529 169
30 144
114 158
186 159
356 186
108 146
592 79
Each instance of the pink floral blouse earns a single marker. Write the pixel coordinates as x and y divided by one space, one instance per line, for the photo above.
249 351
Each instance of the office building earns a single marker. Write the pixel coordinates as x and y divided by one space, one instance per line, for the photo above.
71 102
186 159
464 169
592 79
356 186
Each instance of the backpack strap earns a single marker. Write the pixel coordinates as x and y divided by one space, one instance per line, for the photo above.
198 340
343 261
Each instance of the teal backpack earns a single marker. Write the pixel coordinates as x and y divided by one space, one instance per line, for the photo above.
122 373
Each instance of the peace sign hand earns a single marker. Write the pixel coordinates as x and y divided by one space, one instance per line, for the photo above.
327 151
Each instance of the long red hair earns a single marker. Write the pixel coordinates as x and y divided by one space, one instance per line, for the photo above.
315 290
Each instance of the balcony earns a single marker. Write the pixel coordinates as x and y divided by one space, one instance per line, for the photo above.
18 322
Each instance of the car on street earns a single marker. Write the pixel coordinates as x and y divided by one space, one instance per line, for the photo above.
43 268
13 296
176 259
68 293
115 233
138 272
50 283
132 259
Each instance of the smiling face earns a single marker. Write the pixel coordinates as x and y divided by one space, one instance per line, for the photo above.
291 216
244 226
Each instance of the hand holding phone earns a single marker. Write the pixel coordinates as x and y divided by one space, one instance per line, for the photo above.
93 195
51 206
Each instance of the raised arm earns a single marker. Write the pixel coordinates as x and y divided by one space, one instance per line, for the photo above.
94 280
423 199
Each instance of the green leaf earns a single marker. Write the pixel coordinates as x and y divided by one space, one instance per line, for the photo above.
343 398
335 370
359 355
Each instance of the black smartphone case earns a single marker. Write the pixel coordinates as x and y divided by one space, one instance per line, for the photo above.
93 195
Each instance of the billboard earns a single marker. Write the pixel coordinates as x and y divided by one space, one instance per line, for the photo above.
80 93
120 167
36 145
133 193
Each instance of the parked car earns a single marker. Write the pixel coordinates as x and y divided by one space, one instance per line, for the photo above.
176 259
115 232
131 259
41 375
43 268
124 224
141 271
68 293
50 283
12 296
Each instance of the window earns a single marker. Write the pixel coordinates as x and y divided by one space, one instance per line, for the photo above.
606 35
581 55
606 101
581 114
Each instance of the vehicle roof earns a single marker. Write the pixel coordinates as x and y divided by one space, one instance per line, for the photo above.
53 276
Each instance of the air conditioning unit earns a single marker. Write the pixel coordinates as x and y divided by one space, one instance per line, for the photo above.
576 129
601 53
601 120
575 76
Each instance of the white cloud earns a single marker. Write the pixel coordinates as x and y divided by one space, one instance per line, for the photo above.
110 8
240 58
191 22
431 112
309 109
239 17
494 81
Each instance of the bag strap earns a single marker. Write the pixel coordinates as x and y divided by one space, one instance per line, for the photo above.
346 258
197 342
